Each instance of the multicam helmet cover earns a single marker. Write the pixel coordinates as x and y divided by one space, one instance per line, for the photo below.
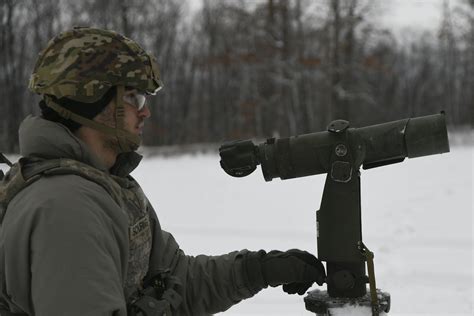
83 63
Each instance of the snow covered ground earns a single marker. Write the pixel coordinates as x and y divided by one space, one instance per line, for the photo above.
417 218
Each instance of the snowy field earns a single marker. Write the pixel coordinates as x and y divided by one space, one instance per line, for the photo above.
417 219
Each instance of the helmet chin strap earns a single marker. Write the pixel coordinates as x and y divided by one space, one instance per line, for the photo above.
127 141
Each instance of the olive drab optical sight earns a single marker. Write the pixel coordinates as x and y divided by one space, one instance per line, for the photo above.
340 152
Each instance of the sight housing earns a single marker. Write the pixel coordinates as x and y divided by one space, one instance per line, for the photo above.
339 152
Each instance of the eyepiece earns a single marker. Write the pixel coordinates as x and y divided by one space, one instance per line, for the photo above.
239 158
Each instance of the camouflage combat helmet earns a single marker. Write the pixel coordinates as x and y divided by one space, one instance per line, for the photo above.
83 64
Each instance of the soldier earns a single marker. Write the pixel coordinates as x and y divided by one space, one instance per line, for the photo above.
78 235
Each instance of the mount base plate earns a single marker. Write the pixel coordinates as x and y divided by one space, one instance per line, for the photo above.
321 303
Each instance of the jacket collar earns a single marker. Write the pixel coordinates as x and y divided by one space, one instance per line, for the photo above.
49 140
125 164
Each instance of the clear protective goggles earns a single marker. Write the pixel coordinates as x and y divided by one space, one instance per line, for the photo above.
135 99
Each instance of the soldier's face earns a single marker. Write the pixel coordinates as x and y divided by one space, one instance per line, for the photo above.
134 119
136 112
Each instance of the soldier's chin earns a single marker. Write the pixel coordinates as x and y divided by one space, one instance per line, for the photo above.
134 146
114 144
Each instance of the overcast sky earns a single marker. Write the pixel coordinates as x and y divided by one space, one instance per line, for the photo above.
400 15
419 14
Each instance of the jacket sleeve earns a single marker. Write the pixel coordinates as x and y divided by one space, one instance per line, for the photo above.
63 252
210 284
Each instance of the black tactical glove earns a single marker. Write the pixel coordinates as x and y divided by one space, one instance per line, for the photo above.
296 270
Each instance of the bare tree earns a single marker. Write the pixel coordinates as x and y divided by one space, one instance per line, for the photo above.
13 51
242 68
449 57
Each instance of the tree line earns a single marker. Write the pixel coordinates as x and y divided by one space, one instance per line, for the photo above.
237 69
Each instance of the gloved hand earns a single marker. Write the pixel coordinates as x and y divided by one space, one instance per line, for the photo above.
296 270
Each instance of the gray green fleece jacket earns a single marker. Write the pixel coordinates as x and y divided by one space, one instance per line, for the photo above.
64 244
